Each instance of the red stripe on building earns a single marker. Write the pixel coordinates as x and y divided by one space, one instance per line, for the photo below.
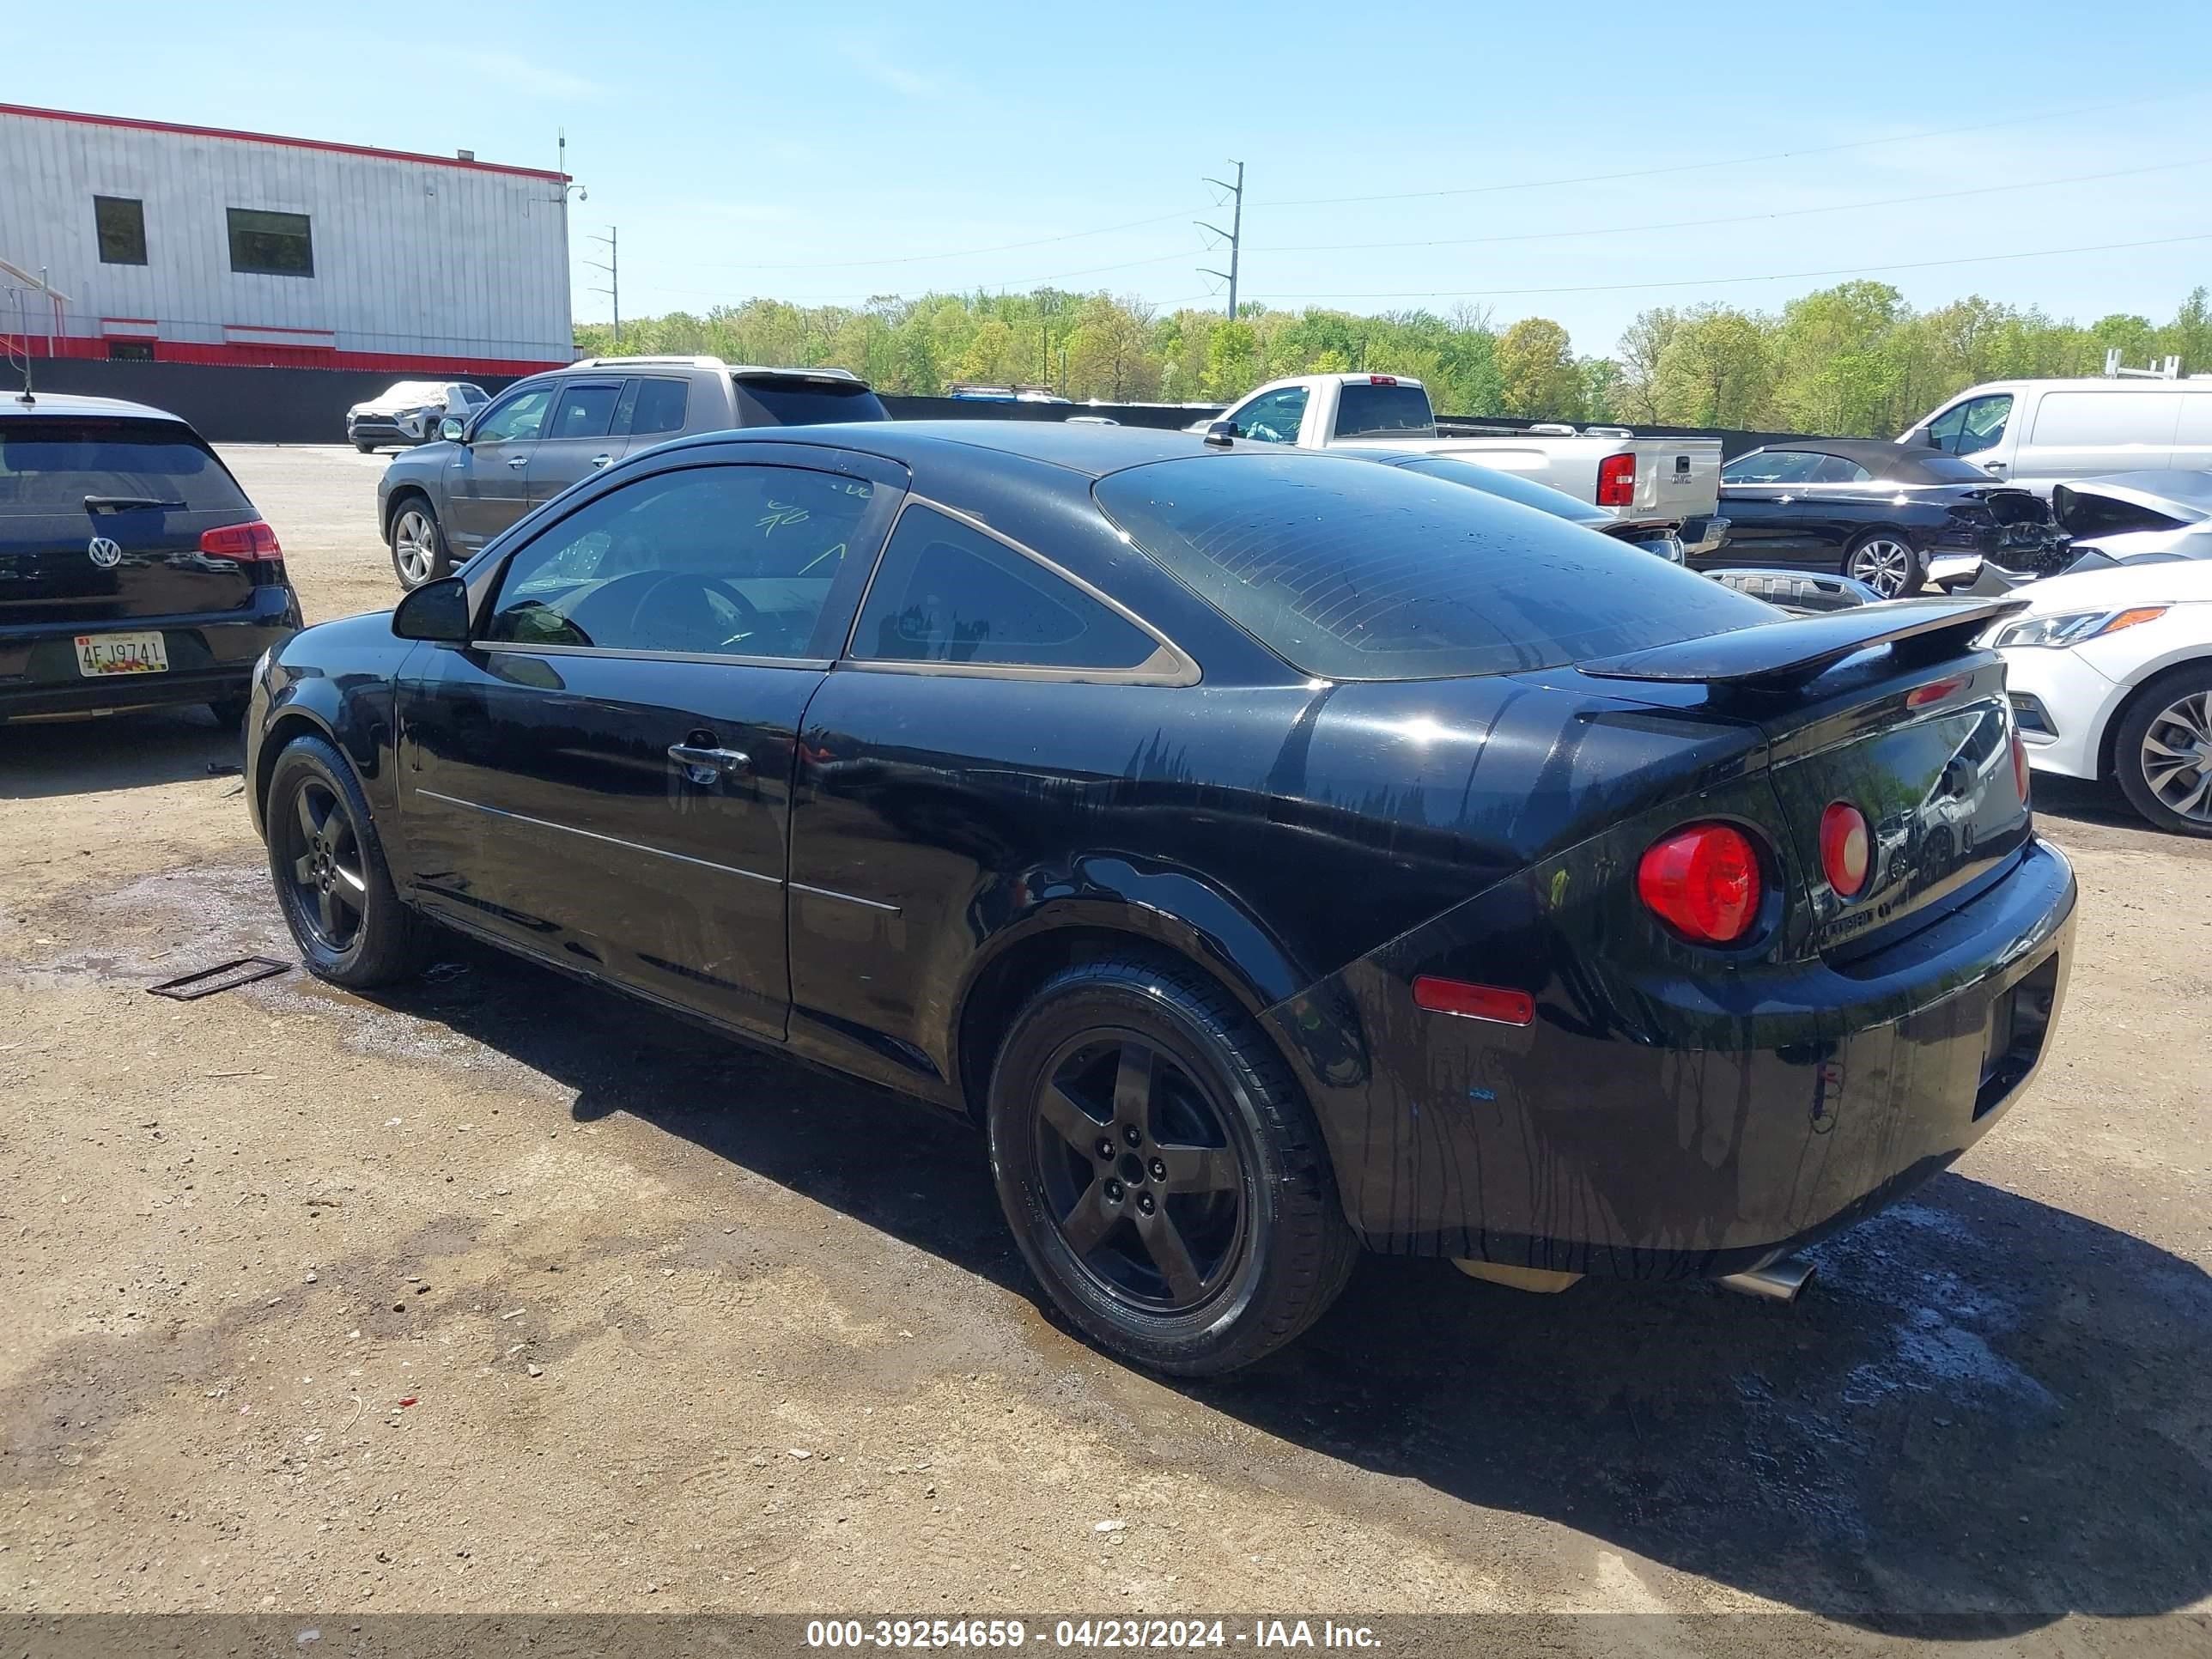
282 357
138 125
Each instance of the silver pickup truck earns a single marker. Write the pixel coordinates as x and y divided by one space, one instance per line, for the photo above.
1659 482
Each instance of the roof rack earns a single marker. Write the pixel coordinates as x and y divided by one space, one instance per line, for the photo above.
625 362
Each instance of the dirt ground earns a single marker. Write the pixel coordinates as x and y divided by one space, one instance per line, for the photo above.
500 1293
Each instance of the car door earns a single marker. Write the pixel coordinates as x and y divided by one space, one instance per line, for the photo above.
1834 506
580 437
603 778
1760 499
487 477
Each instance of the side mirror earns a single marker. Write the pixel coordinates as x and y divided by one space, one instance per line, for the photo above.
450 428
437 612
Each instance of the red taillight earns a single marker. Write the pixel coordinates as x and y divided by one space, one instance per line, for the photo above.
1845 847
2019 765
242 541
1454 996
1935 691
1616 481
1381 380
1704 881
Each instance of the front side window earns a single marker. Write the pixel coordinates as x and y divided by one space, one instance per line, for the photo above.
587 410
1273 417
1773 466
1352 571
121 222
265 244
1985 423
725 559
946 593
522 416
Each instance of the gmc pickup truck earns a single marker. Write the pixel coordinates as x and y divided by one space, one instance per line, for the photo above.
1656 483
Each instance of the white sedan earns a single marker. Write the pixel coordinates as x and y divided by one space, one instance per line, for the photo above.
2110 676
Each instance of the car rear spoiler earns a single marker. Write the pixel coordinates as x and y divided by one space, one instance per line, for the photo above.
1774 656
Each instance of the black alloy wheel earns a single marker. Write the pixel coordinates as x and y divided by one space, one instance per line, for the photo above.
1160 1168
327 865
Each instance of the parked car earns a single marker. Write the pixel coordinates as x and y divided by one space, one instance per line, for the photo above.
1275 855
1660 540
134 572
2037 433
1658 484
2110 673
408 412
438 504
1881 514
1800 592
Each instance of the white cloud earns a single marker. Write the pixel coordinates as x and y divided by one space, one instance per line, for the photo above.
524 74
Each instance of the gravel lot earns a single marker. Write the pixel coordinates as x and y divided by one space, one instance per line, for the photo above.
500 1293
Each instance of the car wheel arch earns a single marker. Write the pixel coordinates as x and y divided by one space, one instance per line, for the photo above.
2108 740
397 502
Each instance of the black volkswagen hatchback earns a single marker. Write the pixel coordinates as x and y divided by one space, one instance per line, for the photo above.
134 572
1277 854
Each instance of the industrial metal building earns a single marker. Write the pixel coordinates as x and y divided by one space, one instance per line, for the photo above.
144 240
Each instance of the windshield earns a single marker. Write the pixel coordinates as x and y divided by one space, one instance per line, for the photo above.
806 403
50 465
1526 491
1364 573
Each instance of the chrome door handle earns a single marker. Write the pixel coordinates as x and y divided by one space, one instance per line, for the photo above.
601 460
703 765
518 461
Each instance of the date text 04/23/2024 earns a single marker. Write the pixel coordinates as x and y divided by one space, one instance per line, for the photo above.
1088 1634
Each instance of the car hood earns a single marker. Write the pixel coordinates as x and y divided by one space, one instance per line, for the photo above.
2166 582
2178 495
393 405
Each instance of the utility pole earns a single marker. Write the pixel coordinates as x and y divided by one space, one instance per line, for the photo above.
613 267
1233 235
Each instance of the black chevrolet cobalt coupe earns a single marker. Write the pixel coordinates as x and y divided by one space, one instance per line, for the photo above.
1276 854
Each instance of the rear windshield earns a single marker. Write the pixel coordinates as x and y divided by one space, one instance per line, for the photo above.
1365 411
50 465
1367 572
1526 491
806 403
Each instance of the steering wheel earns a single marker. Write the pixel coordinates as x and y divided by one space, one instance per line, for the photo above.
671 607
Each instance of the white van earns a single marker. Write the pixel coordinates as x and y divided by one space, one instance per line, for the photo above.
2036 433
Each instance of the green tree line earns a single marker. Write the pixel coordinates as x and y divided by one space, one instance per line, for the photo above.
1853 360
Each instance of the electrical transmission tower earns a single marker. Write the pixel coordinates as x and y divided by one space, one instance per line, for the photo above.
1233 235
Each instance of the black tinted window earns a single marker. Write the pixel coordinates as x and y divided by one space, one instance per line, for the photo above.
121 222
656 405
1526 491
737 561
947 593
1366 410
1361 572
52 466
806 403
1834 469
584 412
270 243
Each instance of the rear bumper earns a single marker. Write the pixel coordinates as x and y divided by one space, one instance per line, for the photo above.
210 657
1585 1143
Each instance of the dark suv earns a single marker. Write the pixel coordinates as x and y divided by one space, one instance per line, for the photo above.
438 504
134 571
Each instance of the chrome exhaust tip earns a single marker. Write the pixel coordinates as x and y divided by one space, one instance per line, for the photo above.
1778 1280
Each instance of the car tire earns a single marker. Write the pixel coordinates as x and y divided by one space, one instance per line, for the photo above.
1888 562
365 449
419 553
1198 1228
333 884
2171 714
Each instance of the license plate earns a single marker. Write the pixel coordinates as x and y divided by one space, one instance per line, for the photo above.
121 653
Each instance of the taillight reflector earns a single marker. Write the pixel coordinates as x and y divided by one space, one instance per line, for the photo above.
1935 691
1616 481
2020 772
1704 882
1845 847
1492 1002
242 541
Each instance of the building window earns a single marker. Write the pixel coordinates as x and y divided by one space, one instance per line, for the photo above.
270 243
122 224
129 351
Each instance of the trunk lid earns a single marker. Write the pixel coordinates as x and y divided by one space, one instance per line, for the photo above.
100 520
1889 708
1675 477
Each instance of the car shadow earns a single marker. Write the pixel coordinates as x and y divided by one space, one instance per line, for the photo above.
2085 802
1986 1414
40 759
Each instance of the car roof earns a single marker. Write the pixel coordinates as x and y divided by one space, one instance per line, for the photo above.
1894 463
13 405
1093 451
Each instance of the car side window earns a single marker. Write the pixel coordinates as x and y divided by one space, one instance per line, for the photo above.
1274 416
587 410
651 404
946 593
1984 423
1772 466
1834 469
521 415
720 560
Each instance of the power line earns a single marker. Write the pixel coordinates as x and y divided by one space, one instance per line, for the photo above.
954 253
1726 161
1719 282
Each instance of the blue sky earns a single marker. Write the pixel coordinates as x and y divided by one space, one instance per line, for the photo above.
830 152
